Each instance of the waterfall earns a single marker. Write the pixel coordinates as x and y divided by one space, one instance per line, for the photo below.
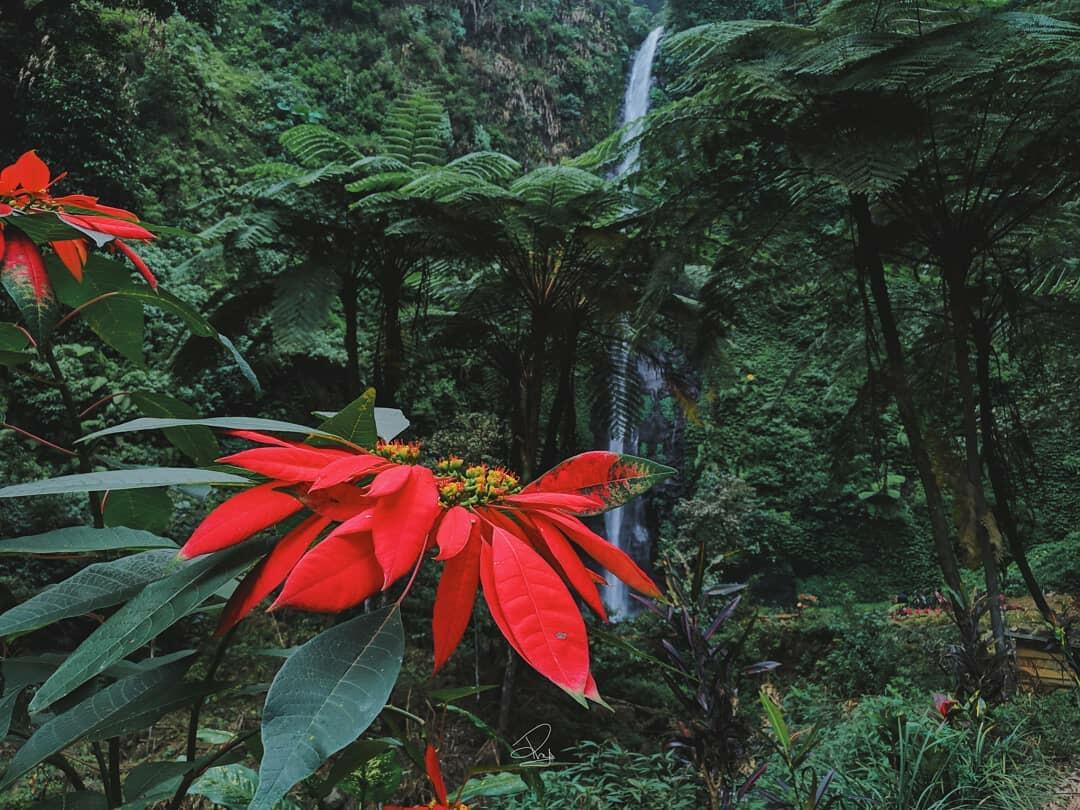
625 526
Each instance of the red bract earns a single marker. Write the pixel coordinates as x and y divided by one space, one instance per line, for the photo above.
520 546
24 190
23 270
442 799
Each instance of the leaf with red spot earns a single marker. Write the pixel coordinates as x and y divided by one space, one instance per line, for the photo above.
240 517
454 599
339 573
540 612
487 583
348 469
289 463
23 275
403 520
611 478
571 565
613 559
454 531
271 572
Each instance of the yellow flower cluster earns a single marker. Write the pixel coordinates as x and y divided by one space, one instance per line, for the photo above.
473 485
399 452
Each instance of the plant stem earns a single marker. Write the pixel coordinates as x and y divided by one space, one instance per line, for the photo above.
103 771
45 350
193 722
114 770
196 709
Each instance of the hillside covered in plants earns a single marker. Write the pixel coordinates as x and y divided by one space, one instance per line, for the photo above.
539 404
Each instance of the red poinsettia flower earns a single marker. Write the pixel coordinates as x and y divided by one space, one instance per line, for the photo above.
25 189
519 545
442 799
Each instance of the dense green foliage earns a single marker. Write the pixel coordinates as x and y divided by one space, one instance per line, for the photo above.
837 292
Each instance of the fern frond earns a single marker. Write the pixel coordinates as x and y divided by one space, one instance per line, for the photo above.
313 145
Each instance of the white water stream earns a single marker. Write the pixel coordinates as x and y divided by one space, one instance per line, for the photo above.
625 526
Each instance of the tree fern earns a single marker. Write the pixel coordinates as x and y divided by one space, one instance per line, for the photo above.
303 297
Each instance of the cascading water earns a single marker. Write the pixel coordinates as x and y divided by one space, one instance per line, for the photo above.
625 527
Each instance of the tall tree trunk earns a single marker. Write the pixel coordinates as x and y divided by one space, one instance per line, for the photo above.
959 310
529 396
349 291
562 416
393 345
868 260
1002 485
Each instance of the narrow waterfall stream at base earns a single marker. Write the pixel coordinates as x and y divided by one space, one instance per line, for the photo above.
625 527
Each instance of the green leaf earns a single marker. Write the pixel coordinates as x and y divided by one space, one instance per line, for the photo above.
349 761
451 694
157 607
116 320
96 586
231 787
389 422
195 322
355 422
223 422
491 786
197 442
84 540
150 782
80 800
111 704
15 358
42 228
139 478
19 674
12 338
151 707
325 696
776 720
149 509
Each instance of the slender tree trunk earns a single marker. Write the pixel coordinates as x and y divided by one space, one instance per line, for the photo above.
1002 486
393 354
349 291
959 310
999 476
82 450
529 398
506 696
868 259
562 417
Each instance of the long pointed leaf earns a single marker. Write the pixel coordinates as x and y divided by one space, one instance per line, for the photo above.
325 696
96 586
84 540
157 607
107 706
138 478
